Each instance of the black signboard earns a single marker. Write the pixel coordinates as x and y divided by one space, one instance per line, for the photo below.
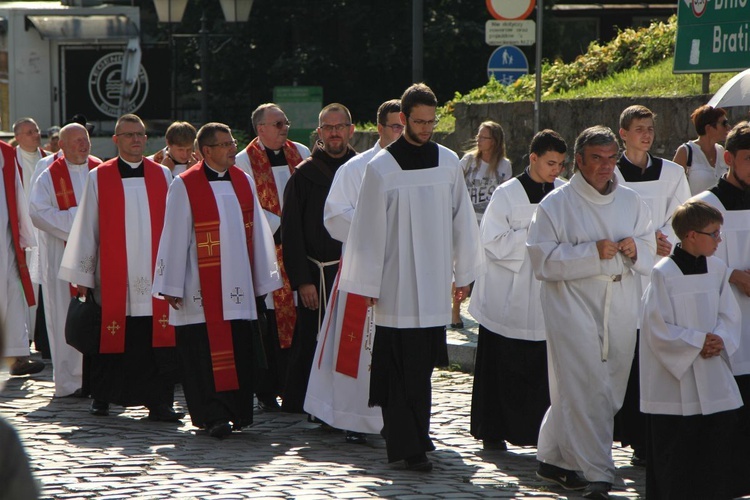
92 82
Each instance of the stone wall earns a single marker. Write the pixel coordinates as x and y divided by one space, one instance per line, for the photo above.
569 118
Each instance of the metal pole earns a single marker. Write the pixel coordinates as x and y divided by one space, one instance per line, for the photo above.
417 33
204 69
705 83
538 90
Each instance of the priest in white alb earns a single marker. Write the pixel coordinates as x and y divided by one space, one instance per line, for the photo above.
53 206
111 255
589 241
215 257
339 383
270 160
414 229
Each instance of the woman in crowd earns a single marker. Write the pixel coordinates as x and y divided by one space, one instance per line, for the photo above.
703 158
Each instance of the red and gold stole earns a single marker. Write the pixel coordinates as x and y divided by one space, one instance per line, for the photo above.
114 268
268 195
63 186
9 178
206 222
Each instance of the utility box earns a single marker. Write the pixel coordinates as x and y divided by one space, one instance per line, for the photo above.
59 60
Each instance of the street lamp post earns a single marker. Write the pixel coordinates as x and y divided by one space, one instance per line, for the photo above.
171 11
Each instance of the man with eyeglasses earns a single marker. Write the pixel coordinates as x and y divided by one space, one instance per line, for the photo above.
340 381
310 254
731 196
413 230
215 258
270 159
663 186
587 240
52 206
111 256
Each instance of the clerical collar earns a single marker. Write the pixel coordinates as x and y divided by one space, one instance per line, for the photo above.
536 191
688 263
413 157
76 165
128 169
276 158
634 173
215 175
732 197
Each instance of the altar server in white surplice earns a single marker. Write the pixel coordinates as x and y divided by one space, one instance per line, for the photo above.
511 392
413 230
587 241
216 255
53 206
663 186
340 377
731 196
691 327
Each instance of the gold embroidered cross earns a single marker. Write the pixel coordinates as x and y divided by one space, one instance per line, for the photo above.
351 336
209 244
164 321
65 192
113 327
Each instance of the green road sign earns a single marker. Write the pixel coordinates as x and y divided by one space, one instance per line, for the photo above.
712 36
301 105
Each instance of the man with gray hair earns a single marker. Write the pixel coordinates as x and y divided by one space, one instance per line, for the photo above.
586 242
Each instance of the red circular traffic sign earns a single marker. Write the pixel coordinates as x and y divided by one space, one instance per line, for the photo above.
510 10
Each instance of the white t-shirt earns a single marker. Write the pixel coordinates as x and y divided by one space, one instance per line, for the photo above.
480 182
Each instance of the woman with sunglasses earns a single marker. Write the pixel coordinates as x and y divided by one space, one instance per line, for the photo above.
703 158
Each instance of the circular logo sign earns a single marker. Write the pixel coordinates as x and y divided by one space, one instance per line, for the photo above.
699 7
105 86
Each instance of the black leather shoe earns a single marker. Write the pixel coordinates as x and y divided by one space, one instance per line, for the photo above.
99 408
164 414
219 430
419 463
269 405
355 437
26 366
494 445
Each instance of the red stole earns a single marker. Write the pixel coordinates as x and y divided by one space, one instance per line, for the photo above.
114 268
206 222
268 195
9 178
63 188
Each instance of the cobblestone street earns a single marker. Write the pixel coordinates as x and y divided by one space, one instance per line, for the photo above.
76 455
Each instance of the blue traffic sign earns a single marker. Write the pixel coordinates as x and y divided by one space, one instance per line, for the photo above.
507 64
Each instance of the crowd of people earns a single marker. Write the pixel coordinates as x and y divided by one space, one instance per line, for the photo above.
318 282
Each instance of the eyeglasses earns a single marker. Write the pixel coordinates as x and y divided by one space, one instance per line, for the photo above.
716 235
131 135
228 144
422 123
338 128
279 124
396 127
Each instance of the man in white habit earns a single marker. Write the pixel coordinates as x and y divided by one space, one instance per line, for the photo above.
28 153
731 196
111 255
16 236
414 229
270 159
587 241
511 391
340 377
216 255
53 206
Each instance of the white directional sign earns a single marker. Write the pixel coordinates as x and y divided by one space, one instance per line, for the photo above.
510 10
510 32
